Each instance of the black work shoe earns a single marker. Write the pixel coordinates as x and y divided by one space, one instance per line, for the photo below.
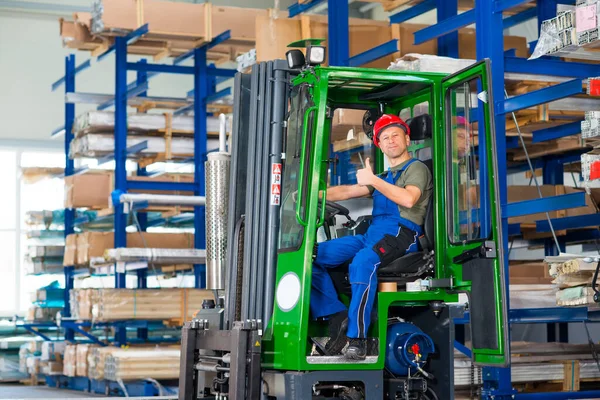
357 349
338 325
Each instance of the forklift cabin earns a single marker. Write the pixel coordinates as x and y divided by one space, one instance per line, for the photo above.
460 252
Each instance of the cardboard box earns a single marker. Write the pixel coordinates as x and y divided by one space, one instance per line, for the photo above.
89 190
70 256
529 273
93 189
93 244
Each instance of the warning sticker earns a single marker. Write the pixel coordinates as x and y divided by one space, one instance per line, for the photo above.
275 184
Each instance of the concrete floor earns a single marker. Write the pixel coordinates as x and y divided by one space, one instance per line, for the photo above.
16 391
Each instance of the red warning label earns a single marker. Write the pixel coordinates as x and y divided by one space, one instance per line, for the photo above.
275 184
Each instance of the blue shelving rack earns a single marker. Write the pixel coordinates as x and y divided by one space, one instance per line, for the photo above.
204 92
490 44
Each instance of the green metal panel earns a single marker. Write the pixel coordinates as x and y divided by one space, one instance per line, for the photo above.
482 356
285 342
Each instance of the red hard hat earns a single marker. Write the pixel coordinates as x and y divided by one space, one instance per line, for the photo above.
385 121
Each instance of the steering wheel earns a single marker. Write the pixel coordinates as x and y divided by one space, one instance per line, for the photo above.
332 209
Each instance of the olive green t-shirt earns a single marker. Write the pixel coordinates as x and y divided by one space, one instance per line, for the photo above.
417 174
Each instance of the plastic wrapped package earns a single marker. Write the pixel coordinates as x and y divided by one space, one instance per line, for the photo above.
140 363
429 63
81 303
95 145
53 350
96 357
104 121
146 304
45 251
532 296
81 358
70 360
36 313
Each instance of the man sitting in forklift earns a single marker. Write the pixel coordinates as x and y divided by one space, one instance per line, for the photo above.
400 199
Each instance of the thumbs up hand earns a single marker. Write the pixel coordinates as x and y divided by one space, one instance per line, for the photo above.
365 176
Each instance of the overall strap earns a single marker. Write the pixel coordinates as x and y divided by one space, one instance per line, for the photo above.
398 173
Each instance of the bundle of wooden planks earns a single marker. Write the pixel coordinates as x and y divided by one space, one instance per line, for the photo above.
145 304
70 360
81 358
130 364
573 276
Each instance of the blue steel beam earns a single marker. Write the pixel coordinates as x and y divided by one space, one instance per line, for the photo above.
447 44
556 132
136 148
512 142
161 68
448 25
216 96
543 315
160 186
514 229
200 135
580 221
413 12
134 90
551 67
541 96
84 65
462 348
221 72
519 18
546 204
297 9
217 40
591 394
503 5
130 38
373 54
58 132
338 32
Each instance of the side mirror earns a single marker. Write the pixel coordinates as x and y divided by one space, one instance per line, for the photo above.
420 127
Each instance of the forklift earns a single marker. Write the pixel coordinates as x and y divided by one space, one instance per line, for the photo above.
257 340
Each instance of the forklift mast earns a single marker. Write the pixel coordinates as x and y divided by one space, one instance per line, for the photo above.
285 153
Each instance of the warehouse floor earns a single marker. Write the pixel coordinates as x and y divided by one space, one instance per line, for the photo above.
40 392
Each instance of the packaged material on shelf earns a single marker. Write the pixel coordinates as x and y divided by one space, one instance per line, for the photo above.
575 296
33 365
96 357
70 360
104 122
101 144
156 363
45 251
93 189
145 304
156 256
44 266
81 358
429 63
81 303
51 367
40 314
90 245
53 350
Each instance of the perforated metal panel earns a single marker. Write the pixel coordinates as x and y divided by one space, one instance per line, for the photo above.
217 195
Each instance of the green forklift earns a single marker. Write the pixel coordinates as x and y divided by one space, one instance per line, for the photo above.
258 340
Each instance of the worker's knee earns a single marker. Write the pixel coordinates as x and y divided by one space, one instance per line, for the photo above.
363 268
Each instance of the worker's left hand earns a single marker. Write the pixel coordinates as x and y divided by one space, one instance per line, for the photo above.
365 176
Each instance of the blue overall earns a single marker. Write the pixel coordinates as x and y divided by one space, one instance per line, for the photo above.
324 300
